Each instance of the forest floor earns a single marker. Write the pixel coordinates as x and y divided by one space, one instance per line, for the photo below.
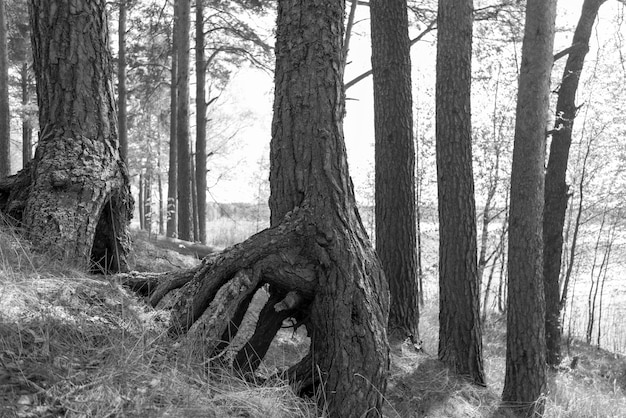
80 345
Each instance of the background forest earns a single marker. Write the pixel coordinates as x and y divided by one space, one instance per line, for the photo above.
226 163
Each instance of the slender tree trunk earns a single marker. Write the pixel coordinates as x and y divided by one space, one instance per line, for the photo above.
201 153
418 222
141 204
556 190
172 175
185 213
5 121
610 242
194 197
577 222
525 379
27 129
395 163
160 186
502 285
147 200
121 79
79 205
460 337
595 281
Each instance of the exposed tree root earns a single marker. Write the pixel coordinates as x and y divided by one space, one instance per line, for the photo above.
322 277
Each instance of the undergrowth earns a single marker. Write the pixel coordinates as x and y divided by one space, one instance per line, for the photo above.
77 345
74 345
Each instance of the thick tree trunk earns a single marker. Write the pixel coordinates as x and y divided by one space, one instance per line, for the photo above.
5 121
460 338
525 380
317 245
182 123
201 154
395 163
556 190
79 205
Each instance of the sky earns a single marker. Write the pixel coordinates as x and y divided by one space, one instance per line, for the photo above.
252 90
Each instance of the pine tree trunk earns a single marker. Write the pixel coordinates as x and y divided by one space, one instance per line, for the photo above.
79 205
201 154
556 190
121 79
172 174
5 121
395 163
185 210
317 245
525 379
460 338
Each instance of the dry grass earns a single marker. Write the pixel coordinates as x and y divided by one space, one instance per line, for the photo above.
81 346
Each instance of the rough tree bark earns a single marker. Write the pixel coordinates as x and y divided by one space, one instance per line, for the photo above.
556 190
172 173
121 80
77 205
201 155
395 163
5 122
182 122
525 379
460 339
317 252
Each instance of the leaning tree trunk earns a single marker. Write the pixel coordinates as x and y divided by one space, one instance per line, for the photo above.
79 203
556 190
316 256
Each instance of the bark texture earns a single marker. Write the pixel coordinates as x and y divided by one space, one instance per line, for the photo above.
395 163
79 204
121 80
317 245
201 154
556 190
5 121
525 380
172 173
185 214
460 337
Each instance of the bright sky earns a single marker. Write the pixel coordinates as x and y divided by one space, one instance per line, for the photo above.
252 90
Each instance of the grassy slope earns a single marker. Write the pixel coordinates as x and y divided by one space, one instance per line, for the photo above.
78 345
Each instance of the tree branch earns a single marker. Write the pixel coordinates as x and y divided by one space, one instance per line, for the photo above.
431 26
569 50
